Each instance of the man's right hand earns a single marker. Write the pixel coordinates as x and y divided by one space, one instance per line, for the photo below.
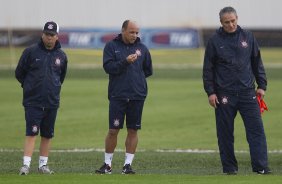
213 100
131 58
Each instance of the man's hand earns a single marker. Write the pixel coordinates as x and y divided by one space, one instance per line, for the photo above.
260 92
131 58
213 100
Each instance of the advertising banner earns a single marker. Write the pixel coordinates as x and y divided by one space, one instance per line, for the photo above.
19 37
172 38
97 38
153 38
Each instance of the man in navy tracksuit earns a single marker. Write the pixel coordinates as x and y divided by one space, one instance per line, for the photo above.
41 71
128 63
232 65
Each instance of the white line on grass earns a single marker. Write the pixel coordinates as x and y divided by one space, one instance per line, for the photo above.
157 66
83 150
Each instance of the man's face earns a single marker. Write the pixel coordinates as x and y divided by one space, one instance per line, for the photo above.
229 22
49 40
129 35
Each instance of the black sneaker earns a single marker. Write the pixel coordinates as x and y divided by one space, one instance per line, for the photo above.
127 169
264 171
104 169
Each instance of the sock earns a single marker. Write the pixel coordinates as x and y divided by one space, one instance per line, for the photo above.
42 161
26 161
128 158
109 158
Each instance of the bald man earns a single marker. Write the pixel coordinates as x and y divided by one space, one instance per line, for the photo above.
128 63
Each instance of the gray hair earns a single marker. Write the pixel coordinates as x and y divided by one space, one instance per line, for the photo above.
227 9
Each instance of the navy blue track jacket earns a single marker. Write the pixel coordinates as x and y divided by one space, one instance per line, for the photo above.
41 73
232 63
127 81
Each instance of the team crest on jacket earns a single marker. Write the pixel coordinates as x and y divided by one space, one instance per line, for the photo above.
57 62
116 122
244 44
138 52
224 100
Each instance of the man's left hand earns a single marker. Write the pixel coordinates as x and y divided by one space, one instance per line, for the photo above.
260 92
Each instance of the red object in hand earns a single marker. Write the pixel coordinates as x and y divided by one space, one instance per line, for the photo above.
262 104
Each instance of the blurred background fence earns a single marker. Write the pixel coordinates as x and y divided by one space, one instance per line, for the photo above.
176 31
164 23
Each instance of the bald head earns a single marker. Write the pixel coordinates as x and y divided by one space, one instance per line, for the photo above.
130 31
127 23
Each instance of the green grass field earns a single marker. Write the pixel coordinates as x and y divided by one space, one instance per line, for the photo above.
176 116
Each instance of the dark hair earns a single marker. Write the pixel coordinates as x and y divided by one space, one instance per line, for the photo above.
125 24
227 9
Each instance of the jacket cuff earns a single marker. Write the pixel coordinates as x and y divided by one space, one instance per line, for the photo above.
210 93
262 87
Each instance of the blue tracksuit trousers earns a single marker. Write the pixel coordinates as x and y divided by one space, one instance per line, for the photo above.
246 104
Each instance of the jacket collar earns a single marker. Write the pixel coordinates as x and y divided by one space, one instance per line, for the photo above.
57 45
222 32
